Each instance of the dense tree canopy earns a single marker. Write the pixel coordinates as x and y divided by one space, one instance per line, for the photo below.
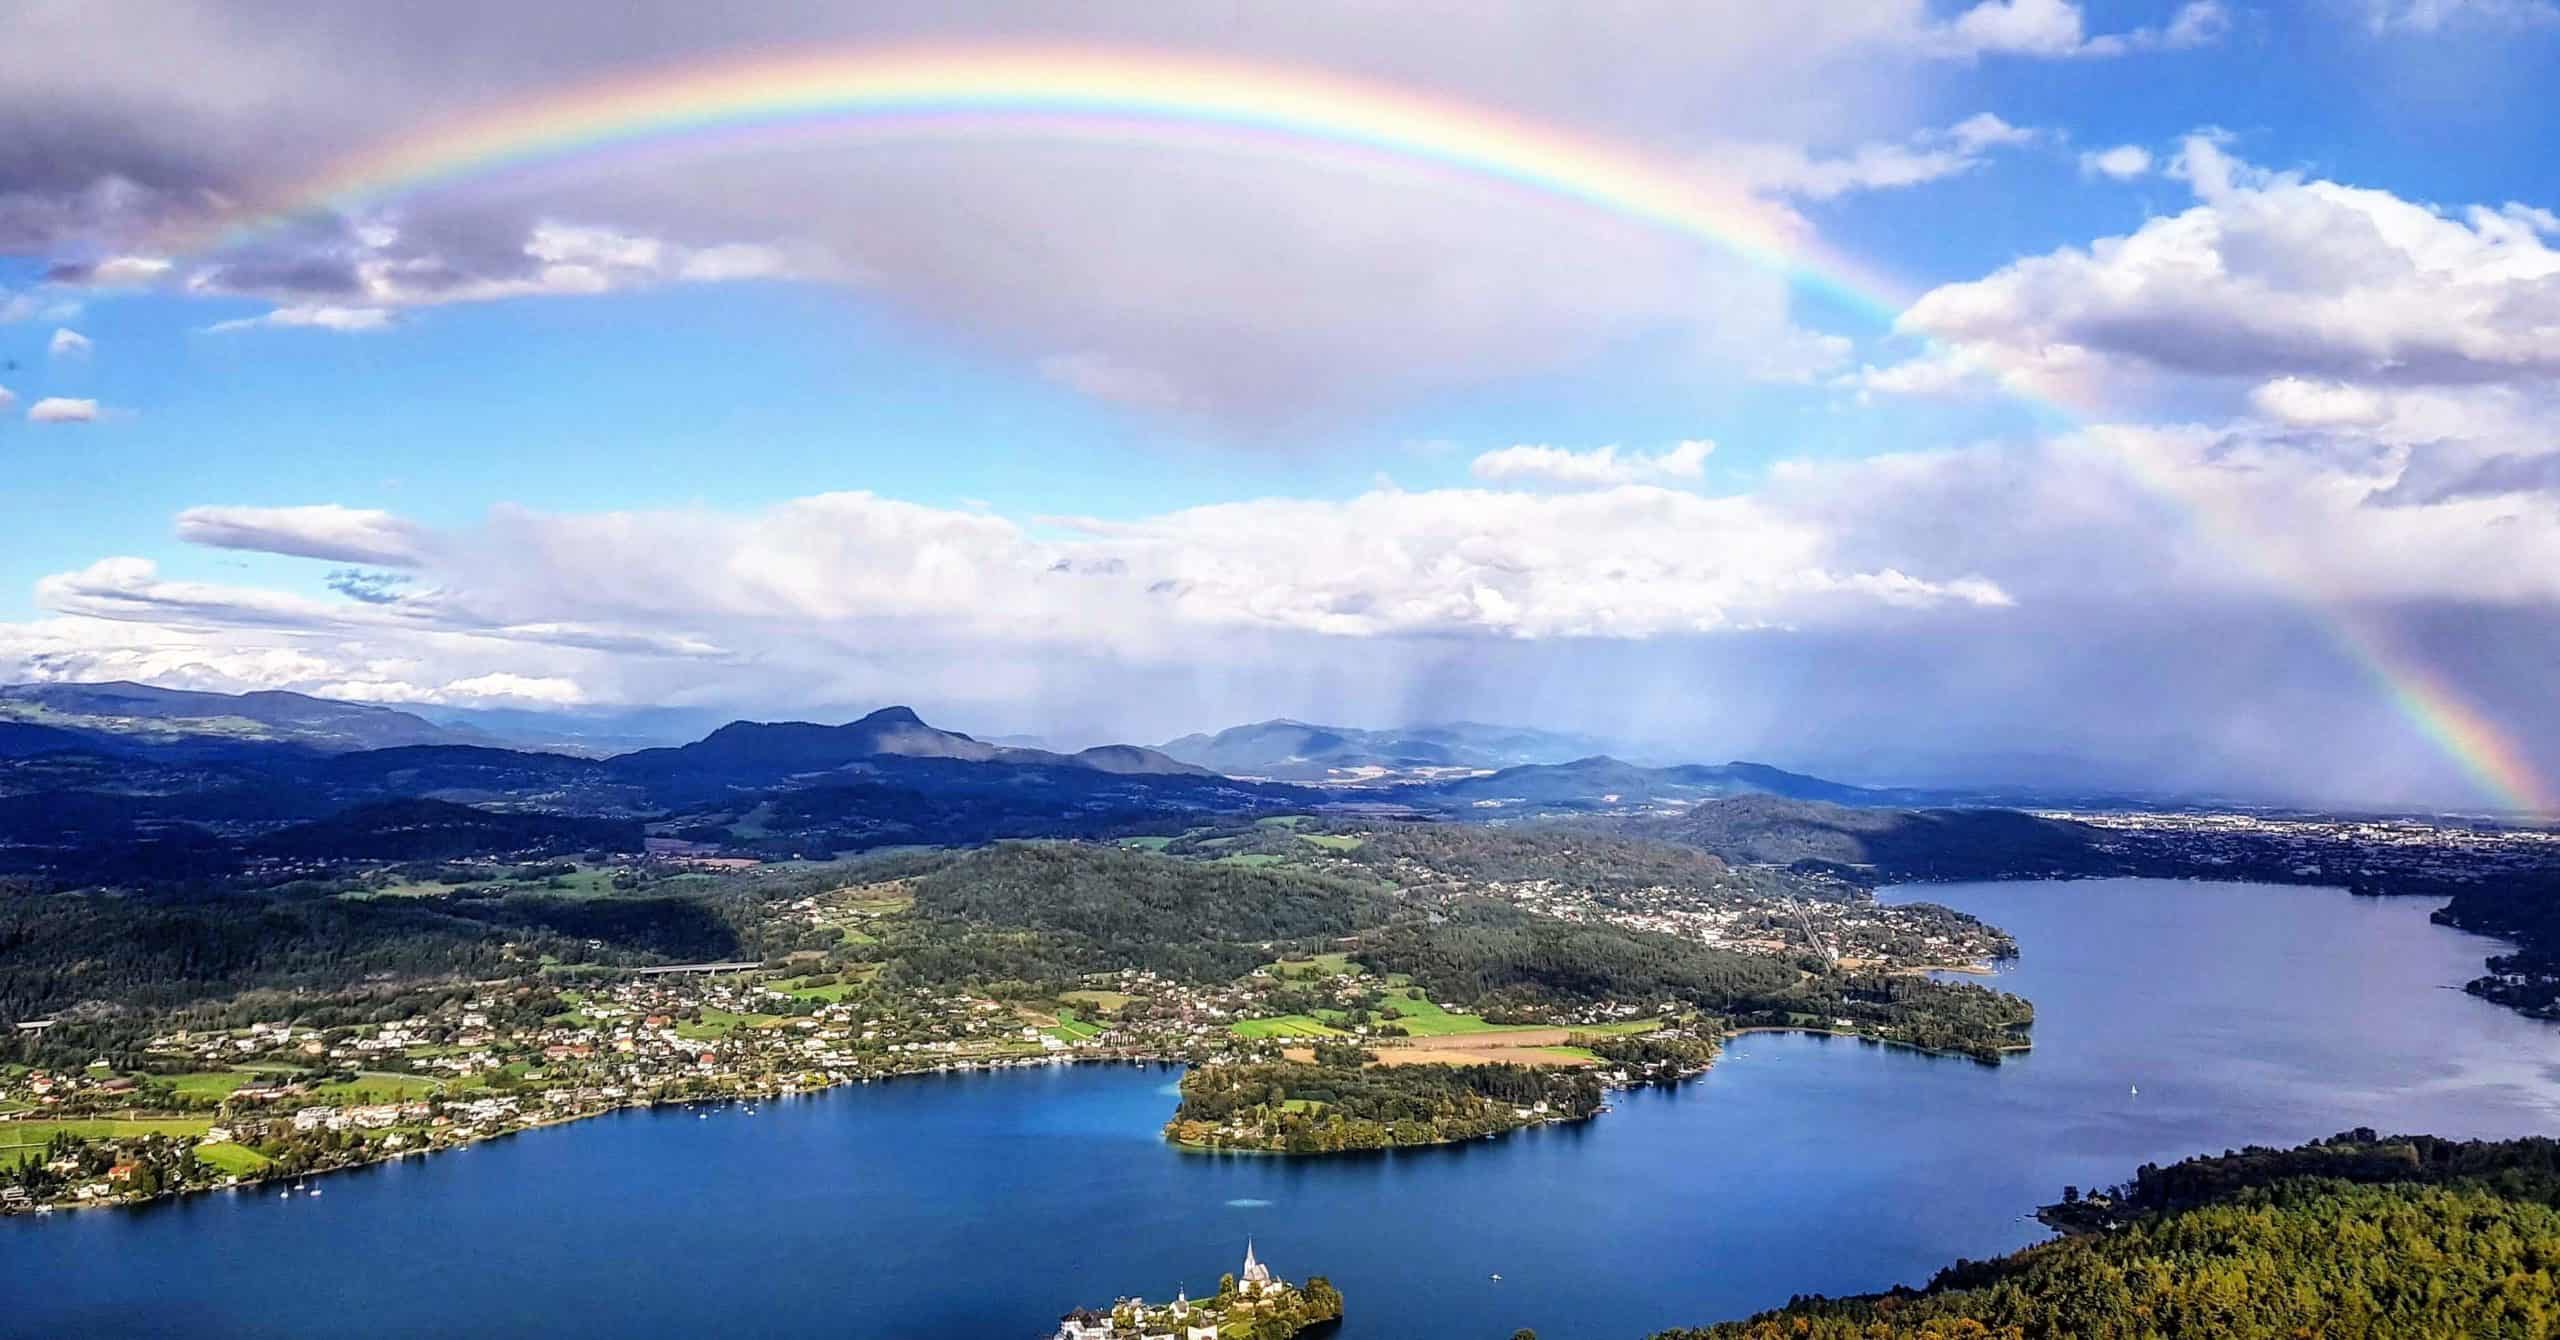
2355 1238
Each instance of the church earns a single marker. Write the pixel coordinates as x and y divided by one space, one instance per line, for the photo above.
1133 1319
1256 1277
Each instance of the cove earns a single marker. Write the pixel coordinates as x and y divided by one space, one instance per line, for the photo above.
984 1205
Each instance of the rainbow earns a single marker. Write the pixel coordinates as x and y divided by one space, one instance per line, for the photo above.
1100 93
1123 95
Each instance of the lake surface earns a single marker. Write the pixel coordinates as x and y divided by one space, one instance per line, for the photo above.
985 1205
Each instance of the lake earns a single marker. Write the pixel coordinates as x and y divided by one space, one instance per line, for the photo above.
987 1204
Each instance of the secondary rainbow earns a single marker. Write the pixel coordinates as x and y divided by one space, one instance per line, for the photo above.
1122 95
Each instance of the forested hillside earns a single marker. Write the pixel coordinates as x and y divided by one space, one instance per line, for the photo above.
1898 844
1501 961
1051 911
146 951
2356 1238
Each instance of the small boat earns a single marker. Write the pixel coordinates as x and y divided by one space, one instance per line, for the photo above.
1497 1278
315 1191
2137 1090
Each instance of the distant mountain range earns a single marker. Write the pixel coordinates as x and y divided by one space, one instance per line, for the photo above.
1608 783
891 732
127 777
121 713
1298 751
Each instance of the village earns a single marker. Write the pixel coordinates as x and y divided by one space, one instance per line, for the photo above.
270 1100
1251 1304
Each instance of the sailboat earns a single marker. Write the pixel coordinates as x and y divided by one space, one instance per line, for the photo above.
2137 1090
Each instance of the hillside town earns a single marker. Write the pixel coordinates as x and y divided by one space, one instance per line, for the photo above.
270 1100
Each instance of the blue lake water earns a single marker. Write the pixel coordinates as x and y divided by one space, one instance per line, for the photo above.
985 1205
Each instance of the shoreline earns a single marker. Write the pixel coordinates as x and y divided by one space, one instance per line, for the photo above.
569 1119
944 1068
2004 1049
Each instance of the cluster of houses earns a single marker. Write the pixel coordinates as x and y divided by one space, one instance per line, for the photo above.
1181 1319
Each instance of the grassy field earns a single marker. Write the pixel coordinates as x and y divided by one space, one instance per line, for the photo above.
1251 859
206 1083
592 881
870 900
1322 965
1071 1028
834 991
1622 1029
376 1086
1108 1002
1334 841
721 1023
237 1160
1284 820
1146 843
1285 1026
1421 1018
23 1140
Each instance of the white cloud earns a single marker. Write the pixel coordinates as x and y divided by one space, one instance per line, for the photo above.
1615 561
1939 372
1598 467
377 267
535 690
1932 155
127 271
2294 400
2427 16
68 343
345 534
2121 163
2269 275
35 305
63 409
2057 28
2004 586
7 397
316 316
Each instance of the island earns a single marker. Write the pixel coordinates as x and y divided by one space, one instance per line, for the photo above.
1251 1304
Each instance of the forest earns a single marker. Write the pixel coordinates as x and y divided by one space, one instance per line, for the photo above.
1050 912
1339 1102
1503 962
158 950
2353 1238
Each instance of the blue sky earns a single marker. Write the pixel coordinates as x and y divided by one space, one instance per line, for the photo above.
1146 440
